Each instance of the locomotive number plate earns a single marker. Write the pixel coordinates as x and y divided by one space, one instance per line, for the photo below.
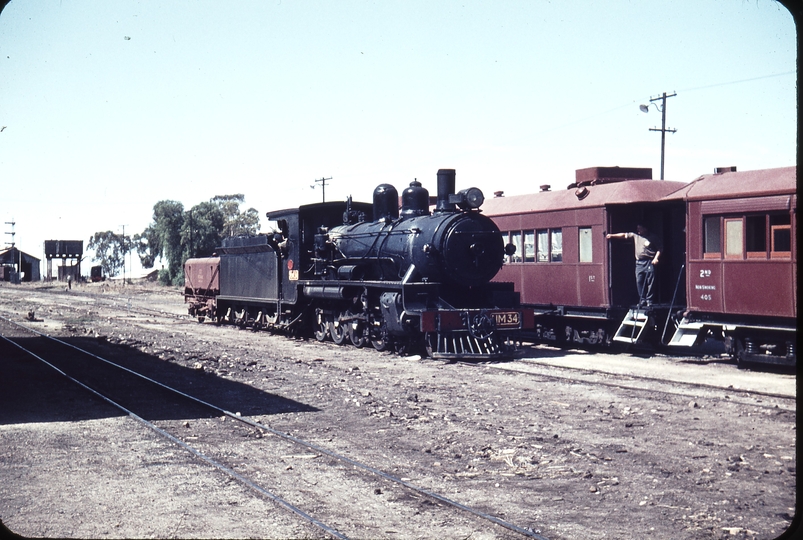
507 319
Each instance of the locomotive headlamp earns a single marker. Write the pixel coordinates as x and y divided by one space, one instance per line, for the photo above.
468 199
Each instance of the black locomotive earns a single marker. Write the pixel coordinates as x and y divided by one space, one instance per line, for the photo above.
405 280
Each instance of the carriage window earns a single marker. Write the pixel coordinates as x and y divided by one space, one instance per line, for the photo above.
515 239
543 246
780 237
549 245
529 246
734 238
585 244
756 236
556 253
712 230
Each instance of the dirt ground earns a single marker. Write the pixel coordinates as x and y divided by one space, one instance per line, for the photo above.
570 444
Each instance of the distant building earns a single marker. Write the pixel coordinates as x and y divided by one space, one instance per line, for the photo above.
16 266
70 252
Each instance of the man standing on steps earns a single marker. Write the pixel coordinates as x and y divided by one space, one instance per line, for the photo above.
647 251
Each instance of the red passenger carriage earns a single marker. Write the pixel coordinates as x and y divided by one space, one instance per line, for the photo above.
582 285
742 263
727 270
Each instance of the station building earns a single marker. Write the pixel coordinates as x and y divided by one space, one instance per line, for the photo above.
17 266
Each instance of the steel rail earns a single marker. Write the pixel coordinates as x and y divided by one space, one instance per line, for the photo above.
301 442
702 386
240 478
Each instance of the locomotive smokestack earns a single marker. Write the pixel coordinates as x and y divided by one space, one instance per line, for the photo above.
446 186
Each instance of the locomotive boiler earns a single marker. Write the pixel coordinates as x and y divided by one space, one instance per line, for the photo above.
456 247
404 279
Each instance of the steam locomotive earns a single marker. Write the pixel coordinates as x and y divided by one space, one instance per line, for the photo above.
364 273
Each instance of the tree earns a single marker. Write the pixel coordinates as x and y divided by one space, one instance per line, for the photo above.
236 222
148 246
176 235
202 230
110 250
162 239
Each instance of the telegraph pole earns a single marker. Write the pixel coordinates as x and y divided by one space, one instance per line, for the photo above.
12 233
124 253
322 181
663 129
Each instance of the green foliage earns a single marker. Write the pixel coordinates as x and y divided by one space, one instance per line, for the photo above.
162 238
165 278
176 235
236 223
110 251
148 246
202 230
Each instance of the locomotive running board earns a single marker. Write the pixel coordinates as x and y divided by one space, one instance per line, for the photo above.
632 326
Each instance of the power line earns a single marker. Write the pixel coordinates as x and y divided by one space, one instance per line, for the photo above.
739 81
632 102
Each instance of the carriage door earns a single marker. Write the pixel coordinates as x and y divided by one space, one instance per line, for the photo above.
621 259
665 220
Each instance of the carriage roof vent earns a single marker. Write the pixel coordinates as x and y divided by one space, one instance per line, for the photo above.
720 170
498 194
545 187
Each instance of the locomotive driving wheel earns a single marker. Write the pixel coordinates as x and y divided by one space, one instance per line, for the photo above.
381 343
321 326
378 333
357 334
338 331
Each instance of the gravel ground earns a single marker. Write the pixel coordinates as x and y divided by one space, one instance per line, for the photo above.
568 443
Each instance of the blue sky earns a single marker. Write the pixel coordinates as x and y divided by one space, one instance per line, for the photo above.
110 107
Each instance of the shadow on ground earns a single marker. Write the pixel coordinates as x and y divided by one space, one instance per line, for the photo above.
31 391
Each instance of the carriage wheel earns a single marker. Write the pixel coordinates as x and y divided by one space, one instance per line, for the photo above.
740 353
338 332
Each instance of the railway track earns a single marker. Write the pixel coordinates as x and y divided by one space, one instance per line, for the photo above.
630 381
146 400
127 303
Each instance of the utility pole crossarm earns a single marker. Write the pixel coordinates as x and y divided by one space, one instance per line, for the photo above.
12 233
664 130
322 181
